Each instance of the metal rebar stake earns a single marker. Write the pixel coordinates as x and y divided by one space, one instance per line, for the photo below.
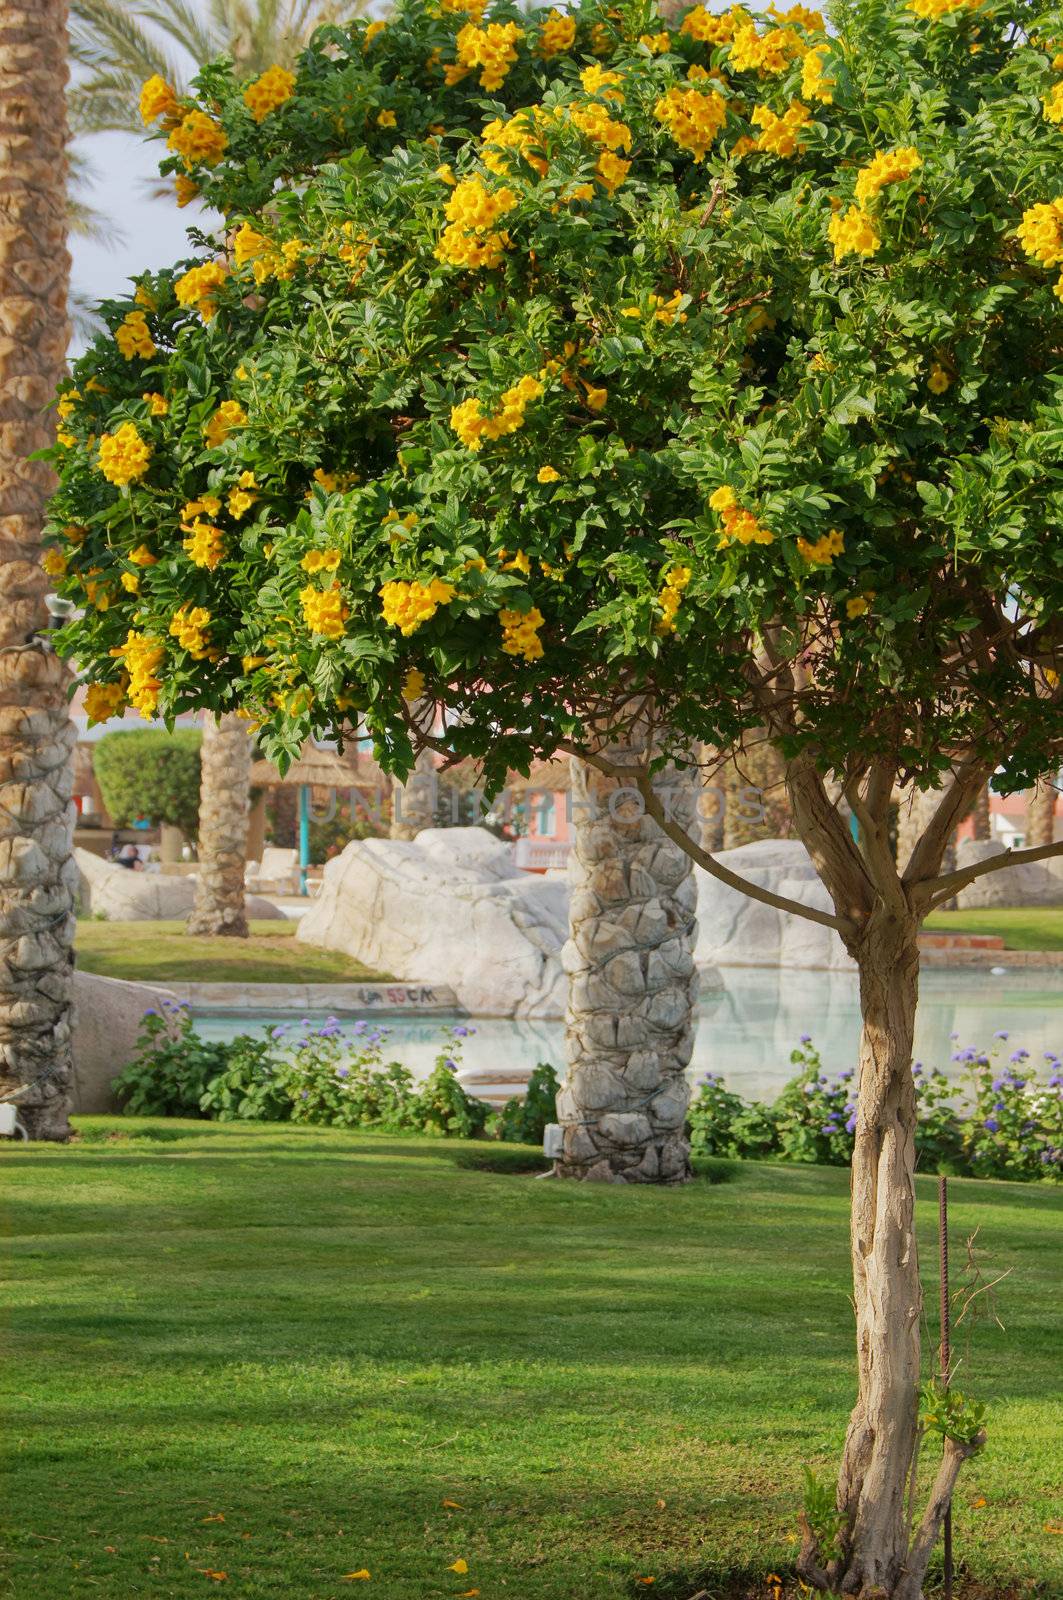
945 1357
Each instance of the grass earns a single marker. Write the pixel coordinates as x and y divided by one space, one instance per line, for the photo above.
1021 927
362 1356
162 952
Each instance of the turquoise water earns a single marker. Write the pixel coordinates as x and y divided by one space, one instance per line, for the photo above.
746 1032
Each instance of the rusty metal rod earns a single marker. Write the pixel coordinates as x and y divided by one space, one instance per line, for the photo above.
945 1354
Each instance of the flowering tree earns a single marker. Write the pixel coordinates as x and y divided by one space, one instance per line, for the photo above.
622 388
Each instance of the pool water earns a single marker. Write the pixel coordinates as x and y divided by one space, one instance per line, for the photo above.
746 1032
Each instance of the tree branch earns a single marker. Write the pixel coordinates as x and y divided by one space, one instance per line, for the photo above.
956 1453
946 886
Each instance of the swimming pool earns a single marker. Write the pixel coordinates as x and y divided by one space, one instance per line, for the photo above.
746 1032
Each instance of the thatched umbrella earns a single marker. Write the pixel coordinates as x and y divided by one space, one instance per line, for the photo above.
317 768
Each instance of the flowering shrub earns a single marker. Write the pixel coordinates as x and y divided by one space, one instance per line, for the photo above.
544 354
721 1123
443 1107
326 1083
524 1121
251 1087
1015 1129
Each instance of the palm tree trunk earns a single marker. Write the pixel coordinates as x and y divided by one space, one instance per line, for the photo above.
38 880
754 794
413 803
632 984
1041 815
224 789
982 817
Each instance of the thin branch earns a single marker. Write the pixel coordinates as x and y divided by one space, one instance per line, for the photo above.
949 883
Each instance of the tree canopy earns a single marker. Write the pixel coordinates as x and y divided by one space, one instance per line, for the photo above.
150 773
548 359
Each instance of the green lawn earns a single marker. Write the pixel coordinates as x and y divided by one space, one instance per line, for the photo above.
162 952
1021 927
279 1353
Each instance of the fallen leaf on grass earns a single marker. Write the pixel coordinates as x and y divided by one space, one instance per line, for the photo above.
217 1577
156 1538
353 1577
1054 1527
453 1505
461 1565
466 1594
646 1581
219 1516
661 1505
976 1505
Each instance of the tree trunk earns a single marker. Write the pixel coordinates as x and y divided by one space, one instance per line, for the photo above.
754 794
1041 815
38 878
413 804
632 984
981 816
223 801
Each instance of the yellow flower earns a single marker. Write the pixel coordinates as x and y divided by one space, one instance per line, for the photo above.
103 700
932 10
859 605
520 633
133 337
600 81
130 582
406 605
142 556
709 27
1053 104
197 287
189 627
779 135
124 456
815 85
472 211
558 34
54 562
821 552
324 610
891 166
548 475
671 595
612 170
656 43
321 560
185 191
239 503
472 427
939 379
68 403
492 49
1041 233
271 90
853 234
371 32
158 404
142 656
205 544
229 415
157 100
692 118
198 140
596 398
739 525
445 174
413 687
387 119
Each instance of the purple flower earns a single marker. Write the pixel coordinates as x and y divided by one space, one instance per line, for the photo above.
850 1126
992 1124
1019 1055
451 1064
461 1032
806 1038
151 1012
1000 1036
305 1095
360 1026
343 1072
917 1070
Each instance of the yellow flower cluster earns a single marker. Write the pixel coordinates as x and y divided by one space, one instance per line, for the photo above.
470 240
198 140
413 684
472 427
157 404
662 310
931 10
185 190
266 93
769 53
656 43
229 415
198 286
321 561
124 455
520 633
853 234
821 552
493 49
779 134
133 337
324 610
547 475
815 85
708 27
600 81
102 700
67 403
205 545
692 118
54 562
1053 104
157 100
406 605
522 133
675 581
611 171
739 526
141 656
891 166
558 34
188 626
241 498
595 123
1041 235
859 605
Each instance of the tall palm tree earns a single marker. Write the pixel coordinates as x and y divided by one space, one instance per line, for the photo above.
38 879
116 44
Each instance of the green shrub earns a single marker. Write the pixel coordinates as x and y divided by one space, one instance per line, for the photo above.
172 1068
151 773
487 1156
524 1121
251 1086
443 1106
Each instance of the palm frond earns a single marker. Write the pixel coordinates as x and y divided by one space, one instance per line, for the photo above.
108 33
182 23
